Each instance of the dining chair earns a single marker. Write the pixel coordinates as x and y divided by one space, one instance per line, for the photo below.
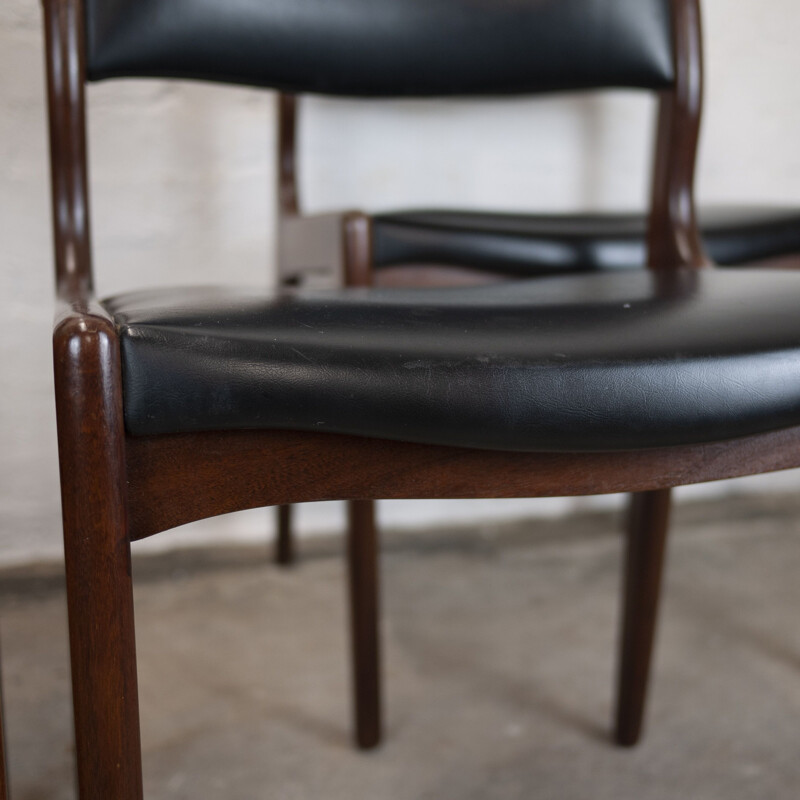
443 247
177 405
457 247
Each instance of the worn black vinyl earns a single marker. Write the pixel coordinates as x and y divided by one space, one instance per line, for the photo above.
537 244
603 361
386 47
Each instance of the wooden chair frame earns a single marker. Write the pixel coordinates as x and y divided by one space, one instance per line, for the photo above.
117 488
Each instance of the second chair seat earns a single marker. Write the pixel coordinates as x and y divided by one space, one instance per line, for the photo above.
535 244
608 361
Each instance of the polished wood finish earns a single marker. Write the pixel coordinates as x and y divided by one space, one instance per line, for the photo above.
284 541
673 235
288 204
357 240
180 478
91 438
364 593
63 24
432 275
91 442
644 559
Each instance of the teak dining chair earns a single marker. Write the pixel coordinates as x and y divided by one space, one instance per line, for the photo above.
177 405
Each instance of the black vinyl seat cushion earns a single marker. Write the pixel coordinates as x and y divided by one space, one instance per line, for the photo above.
603 361
536 244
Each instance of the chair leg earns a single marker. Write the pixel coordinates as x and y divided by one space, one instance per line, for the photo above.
98 561
362 551
104 687
284 542
646 539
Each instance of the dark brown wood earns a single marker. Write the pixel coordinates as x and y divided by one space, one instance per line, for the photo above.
185 477
357 239
432 275
779 262
284 542
63 24
97 554
362 540
91 450
287 162
362 558
287 204
673 236
646 540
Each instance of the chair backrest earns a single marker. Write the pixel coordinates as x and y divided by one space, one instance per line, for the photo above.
386 47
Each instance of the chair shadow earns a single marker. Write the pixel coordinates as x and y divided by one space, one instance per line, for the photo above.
322 730
721 618
526 695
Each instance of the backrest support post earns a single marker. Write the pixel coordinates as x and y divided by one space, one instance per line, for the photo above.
673 236
64 58
287 170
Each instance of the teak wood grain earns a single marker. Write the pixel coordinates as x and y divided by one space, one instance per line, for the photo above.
64 51
184 477
91 443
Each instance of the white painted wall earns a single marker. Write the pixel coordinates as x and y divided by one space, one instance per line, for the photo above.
182 191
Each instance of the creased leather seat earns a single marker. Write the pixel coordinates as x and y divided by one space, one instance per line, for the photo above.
536 244
575 363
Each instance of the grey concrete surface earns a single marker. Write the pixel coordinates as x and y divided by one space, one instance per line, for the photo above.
499 656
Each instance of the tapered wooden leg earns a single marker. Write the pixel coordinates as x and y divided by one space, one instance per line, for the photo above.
644 559
284 541
362 550
104 687
97 557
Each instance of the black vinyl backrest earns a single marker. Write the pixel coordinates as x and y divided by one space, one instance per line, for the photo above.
386 47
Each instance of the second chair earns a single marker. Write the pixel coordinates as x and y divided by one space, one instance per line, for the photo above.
451 248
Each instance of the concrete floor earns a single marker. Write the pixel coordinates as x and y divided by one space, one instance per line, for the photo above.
499 655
